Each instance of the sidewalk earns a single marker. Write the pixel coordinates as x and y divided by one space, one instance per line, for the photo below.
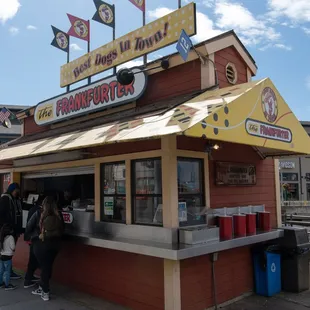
62 299
283 301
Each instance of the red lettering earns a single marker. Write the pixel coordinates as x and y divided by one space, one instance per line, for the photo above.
58 107
64 106
71 104
84 100
113 86
97 95
77 101
120 90
89 96
104 93
129 89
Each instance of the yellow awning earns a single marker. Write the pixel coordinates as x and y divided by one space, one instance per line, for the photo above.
253 113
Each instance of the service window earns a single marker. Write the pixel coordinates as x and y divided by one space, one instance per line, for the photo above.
191 191
147 192
113 192
290 191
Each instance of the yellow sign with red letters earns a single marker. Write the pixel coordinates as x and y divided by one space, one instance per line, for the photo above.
151 37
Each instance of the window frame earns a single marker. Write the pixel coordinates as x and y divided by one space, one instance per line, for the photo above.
102 194
202 189
133 182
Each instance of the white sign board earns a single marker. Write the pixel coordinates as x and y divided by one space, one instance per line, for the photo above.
97 96
287 165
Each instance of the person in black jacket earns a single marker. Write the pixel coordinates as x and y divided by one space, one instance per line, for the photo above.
33 264
11 214
46 229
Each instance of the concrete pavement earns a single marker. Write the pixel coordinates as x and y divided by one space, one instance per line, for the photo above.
283 301
62 299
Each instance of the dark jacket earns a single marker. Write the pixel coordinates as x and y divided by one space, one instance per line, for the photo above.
33 230
11 213
32 211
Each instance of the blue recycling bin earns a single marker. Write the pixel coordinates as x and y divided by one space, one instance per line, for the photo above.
267 273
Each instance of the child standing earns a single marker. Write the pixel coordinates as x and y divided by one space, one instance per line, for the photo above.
7 248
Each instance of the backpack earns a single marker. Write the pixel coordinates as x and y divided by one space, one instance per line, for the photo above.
52 227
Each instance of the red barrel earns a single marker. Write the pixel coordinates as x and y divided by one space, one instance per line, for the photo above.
226 227
251 224
239 225
264 221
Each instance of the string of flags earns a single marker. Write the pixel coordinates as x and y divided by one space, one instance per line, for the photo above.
80 28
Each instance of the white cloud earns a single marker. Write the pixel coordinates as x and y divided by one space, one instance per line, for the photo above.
306 30
130 64
31 27
159 12
75 47
8 9
205 28
295 10
277 45
251 30
208 3
283 47
308 82
13 31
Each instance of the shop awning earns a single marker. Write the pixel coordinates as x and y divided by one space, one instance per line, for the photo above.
253 113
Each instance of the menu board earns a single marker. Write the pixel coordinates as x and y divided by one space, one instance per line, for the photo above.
235 174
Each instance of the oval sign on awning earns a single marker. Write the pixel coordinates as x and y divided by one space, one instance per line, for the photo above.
95 97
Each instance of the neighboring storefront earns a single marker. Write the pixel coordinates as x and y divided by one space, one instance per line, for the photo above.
162 163
295 177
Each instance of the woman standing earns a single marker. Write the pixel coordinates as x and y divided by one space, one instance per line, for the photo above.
50 226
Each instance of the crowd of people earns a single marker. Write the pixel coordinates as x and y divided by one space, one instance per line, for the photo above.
43 233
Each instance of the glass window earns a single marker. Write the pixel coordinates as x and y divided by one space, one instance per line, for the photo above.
191 191
147 192
308 191
289 176
113 192
290 191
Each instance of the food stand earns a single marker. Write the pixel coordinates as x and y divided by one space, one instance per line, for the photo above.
163 175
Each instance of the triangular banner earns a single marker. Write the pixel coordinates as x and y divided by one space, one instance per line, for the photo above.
105 13
140 4
61 40
80 28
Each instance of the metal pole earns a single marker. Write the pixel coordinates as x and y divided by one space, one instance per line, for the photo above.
144 19
180 4
68 60
88 47
114 35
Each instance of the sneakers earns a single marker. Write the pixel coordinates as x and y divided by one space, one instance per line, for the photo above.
38 291
28 284
15 276
35 279
10 287
45 296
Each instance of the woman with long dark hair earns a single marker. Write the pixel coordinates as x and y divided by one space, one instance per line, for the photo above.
49 226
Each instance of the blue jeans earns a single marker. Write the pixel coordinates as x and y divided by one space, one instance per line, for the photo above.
5 271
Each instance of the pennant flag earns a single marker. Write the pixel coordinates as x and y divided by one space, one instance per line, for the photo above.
140 4
4 114
105 13
61 40
79 28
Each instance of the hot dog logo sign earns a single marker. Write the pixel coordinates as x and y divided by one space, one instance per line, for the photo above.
91 98
269 129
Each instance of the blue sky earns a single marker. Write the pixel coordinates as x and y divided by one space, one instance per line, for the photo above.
276 33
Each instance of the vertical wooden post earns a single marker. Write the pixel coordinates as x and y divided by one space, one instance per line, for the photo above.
15 177
169 181
278 192
97 193
172 285
128 192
